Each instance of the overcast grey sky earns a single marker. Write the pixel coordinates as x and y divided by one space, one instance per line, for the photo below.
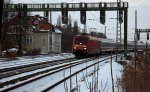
142 6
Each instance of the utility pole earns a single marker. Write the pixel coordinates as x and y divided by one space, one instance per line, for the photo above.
125 31
105 30
85 29
1 9
118 33
135 35
50 32
135 43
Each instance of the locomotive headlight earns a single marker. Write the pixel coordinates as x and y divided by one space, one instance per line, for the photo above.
75 47
85 48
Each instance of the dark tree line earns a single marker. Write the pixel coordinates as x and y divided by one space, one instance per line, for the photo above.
13 29
68 33
5 37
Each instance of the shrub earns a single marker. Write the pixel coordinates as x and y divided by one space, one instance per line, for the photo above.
36 51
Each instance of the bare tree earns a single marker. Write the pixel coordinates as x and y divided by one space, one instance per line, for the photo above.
14 21
4 27
68 33
69 23
59 21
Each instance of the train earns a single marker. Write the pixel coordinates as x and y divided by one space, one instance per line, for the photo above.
86 45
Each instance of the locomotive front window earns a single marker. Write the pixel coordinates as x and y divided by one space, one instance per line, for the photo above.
80 40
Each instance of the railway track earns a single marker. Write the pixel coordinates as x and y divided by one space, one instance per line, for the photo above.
12 75
24 74
39 74
68 77
7 72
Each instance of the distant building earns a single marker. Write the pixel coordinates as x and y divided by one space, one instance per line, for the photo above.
39 35
43 36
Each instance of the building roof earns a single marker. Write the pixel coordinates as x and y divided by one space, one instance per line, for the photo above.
44 26
57 30
40 24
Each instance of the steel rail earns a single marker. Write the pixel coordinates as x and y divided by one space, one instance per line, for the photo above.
54 85
56 69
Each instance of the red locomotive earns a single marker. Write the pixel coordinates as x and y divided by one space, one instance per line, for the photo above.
84 45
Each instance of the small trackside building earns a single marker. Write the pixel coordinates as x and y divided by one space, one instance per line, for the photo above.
42 36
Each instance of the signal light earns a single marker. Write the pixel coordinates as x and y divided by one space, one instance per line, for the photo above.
138 36
121 16
25 7
147 36
64 13
102 16
83 16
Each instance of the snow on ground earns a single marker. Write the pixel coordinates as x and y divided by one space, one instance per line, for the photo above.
36 86
104 78
25 60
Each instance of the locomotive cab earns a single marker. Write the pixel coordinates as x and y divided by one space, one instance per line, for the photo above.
85 45
80 45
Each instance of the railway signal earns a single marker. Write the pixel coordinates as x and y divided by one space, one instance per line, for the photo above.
138 36
64 13
1 9
147 36
143 31
83 7
102 16
121 16
83 16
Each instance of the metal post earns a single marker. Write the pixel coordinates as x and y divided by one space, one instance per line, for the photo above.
120 35
135 43
117 36
1 19
135 38
146 68
117 33
105 30
50 42
136 24
1 9
70 78
125 31
46 14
